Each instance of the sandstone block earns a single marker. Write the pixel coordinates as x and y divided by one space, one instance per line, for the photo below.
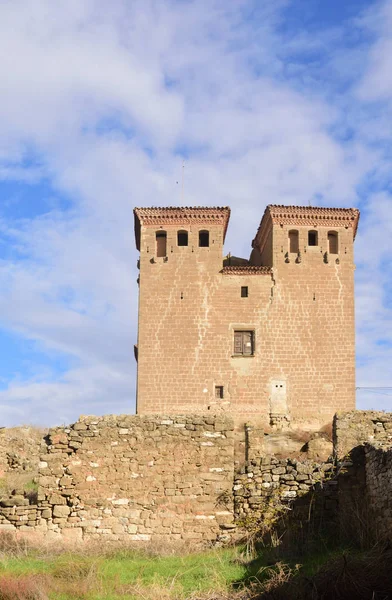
61 511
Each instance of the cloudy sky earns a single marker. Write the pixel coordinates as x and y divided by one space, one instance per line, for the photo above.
268 101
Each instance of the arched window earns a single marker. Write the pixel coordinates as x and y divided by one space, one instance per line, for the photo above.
312 238
204 239
293 242
160 238
333 242
182 238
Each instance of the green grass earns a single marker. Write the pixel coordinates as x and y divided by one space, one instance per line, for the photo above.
129 575
135 575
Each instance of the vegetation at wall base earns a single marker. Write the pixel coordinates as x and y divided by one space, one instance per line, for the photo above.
324 572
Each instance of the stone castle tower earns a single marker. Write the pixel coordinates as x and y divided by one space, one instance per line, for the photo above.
270 340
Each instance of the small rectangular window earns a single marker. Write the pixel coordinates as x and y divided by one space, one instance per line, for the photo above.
244 343
182 238
293 242
244 291
204 239
219 392
312 238
160 243
332 242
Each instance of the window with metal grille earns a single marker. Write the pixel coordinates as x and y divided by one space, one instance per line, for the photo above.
219 392
244 343
244 291
182 238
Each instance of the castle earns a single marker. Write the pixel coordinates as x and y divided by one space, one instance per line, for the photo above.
269 340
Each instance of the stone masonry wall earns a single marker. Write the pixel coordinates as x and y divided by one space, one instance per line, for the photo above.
378 463
269 486
20 448
131 477
358 427
363 447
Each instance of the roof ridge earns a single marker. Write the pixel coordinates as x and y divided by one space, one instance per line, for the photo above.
329 209
180 208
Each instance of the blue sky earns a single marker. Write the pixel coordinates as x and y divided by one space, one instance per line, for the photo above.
280 101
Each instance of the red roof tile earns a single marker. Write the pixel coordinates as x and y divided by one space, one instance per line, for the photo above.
246 270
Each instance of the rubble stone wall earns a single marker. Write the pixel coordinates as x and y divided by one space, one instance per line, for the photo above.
134 478
20 448
363 446
359 427
271 486
131 477
378 465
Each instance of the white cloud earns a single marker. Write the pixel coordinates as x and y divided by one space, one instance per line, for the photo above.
106 96
377 82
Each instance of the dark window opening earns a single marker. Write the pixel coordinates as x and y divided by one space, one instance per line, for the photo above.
333 242
219 392
312 238
293 242
182 238
244 291
244 343
160 237
204 239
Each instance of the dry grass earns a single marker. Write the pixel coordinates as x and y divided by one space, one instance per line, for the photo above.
51 573
93 572
347 576
27 587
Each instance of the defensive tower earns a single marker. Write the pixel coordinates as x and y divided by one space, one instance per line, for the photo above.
270 340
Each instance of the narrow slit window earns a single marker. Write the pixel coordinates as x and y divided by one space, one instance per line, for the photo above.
293 242
312 238
244 291
182 238
204 239
244 343
161 243
219 392
333 242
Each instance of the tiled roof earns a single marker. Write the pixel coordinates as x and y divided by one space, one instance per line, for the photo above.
313 212
246 270
180 215
183 210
